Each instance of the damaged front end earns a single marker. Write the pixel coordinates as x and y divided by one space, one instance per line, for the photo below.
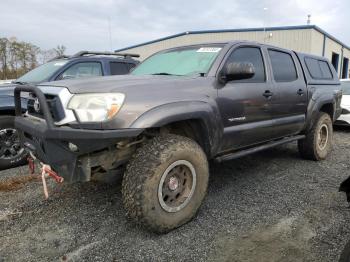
75 154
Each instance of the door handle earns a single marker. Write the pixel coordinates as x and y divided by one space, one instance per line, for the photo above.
268 94
300 92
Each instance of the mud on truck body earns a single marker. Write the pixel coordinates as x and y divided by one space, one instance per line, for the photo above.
177 110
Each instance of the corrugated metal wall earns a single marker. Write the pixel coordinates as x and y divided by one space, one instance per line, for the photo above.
302 40
298 40
316 44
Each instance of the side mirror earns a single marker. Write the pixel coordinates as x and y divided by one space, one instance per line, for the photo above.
236 71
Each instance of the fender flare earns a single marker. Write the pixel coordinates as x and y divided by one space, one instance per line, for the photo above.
315 106
169 113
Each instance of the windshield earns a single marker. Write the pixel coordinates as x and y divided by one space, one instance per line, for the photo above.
183 61
345 87
42 73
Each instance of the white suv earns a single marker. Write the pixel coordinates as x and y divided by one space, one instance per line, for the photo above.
344 118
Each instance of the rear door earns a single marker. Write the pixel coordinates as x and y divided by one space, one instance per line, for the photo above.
246 105
290 103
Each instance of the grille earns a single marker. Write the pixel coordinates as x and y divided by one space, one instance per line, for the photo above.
54 104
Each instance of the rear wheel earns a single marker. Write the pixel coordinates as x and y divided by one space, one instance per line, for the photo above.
318 142
11 152
165 182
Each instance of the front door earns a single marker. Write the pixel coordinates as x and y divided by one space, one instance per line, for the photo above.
245 105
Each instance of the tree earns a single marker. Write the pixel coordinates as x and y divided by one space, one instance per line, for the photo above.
4 42
60 50
18 57
46 55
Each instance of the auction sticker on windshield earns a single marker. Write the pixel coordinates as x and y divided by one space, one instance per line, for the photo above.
60 63
209 49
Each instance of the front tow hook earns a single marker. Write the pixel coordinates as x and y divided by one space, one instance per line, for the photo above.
46 172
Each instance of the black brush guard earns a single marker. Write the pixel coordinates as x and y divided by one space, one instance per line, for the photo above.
50 143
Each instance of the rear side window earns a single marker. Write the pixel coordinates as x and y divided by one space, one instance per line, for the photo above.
84 69
118 68
318 69
131 66
249 55
283 66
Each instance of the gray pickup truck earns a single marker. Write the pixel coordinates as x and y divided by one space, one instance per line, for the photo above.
177 110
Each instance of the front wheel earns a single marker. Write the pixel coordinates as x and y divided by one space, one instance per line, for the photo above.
11 152
165 182
318 142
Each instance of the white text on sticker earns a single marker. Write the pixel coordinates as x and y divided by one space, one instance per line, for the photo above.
209 49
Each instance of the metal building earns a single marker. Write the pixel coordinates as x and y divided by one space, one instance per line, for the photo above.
305 38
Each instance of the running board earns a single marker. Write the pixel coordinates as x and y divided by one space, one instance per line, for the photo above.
257 149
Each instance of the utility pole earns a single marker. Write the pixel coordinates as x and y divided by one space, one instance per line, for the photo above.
110 34
309 19
265 11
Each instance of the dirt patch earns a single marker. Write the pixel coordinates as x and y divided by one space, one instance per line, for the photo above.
16 183
287 240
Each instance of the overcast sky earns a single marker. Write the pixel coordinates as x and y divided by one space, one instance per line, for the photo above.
83 24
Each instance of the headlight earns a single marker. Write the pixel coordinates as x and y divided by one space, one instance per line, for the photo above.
96 107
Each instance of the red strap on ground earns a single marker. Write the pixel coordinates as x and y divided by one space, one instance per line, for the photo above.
31 165
53 174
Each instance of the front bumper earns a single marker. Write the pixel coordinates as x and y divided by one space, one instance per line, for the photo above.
50 144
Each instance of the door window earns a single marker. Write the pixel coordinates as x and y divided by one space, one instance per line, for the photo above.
131 66
249 55
283 66
85 69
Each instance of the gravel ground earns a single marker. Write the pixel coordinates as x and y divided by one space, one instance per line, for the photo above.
267 207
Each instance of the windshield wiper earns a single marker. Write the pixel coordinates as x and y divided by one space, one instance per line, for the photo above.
19 82
164 74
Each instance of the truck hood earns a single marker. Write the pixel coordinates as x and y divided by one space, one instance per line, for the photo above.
122 83
7 89
6 85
